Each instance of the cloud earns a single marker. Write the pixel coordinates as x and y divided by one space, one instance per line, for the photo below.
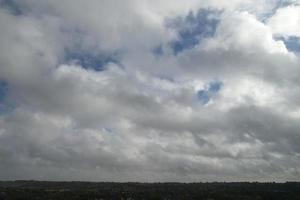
98 91
285 22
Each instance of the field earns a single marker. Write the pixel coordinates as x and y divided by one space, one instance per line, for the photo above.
23 190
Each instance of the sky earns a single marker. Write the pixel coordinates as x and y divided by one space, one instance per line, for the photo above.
150 90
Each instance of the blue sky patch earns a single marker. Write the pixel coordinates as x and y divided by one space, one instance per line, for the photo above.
203 96
5 106
108 130
291 43
89 60
158 50
166 78
81 52
12 6
3 90
194 27
209 91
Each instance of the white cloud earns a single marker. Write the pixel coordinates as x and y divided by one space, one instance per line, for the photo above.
286 21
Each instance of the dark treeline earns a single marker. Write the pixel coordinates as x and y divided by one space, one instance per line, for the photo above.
23 190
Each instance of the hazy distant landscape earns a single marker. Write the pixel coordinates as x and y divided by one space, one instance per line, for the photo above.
23 190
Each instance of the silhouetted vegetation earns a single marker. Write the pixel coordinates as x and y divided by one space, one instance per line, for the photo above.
23 190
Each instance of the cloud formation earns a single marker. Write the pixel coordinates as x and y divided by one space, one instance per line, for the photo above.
142 90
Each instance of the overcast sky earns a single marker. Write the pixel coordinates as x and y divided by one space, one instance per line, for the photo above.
150 90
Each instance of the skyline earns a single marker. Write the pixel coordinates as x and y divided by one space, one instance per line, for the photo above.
149 90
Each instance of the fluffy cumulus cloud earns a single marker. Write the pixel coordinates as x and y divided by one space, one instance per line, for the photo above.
285 21
142 90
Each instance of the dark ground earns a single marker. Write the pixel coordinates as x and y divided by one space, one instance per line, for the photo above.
22 190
